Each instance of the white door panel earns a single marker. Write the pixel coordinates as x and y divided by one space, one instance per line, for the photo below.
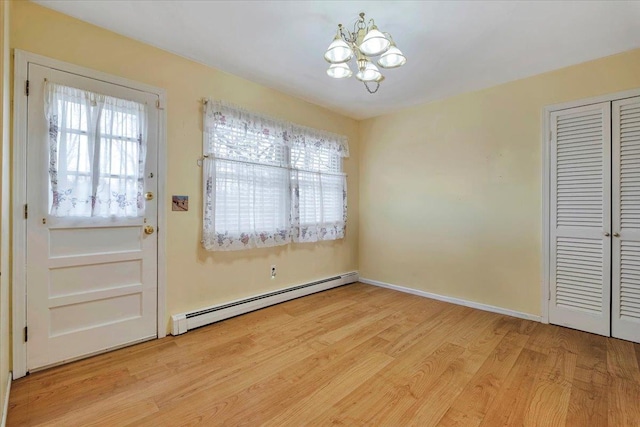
91 282
581 218
625 321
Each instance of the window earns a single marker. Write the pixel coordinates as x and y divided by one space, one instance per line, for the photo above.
96 154
268 183
319 193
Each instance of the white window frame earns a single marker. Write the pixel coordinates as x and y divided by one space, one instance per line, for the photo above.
22 59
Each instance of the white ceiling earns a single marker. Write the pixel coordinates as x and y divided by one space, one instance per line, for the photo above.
452 47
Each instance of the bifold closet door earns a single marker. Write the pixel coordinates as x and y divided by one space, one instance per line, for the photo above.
580 264
625 320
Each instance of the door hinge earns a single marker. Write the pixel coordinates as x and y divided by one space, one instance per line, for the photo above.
26 87
26 211
158 105
26 334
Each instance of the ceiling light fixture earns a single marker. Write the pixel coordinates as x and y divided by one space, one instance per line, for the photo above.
365 42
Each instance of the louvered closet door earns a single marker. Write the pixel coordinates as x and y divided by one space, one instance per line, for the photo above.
625 319
581 218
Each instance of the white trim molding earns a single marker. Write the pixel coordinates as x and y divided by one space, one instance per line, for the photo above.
546 215
22 60
545 283
163 206
5 404
183 322
454 300
19 197
593 100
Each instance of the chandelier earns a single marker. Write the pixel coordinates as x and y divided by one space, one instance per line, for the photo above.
363 44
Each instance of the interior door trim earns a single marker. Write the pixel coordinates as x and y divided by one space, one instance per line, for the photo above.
545 140
22 59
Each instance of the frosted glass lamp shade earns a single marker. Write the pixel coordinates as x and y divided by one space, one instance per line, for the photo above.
392 58
338 51
369 74
339 71
374 43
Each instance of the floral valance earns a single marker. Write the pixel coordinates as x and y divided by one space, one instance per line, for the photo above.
224 120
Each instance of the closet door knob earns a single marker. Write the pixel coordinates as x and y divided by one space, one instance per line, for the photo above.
616 234
606 234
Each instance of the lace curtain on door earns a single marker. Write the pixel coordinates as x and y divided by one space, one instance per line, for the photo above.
97 147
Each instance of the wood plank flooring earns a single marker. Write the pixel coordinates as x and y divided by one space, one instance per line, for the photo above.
355 355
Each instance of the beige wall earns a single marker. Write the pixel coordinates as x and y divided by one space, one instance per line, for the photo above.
450 192
197 278
5 346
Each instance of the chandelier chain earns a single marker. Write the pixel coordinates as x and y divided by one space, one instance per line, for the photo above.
372 91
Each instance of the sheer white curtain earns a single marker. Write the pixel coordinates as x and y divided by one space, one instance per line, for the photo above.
319 189
246 198
97 148
268 182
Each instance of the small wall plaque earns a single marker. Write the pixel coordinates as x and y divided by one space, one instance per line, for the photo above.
180 203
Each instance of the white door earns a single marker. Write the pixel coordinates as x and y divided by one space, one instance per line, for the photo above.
91 268
580 263
625 321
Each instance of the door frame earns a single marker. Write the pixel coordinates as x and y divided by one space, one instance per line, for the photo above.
22 59
545 139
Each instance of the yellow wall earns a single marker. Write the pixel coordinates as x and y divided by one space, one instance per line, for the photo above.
450 192
5 346
197 278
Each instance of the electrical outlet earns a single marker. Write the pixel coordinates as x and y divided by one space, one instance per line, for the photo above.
273 271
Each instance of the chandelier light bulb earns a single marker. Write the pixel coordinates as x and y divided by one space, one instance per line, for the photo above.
374 43
339 71
338 51
370 73
392 58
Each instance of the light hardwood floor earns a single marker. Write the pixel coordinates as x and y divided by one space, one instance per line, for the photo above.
355 355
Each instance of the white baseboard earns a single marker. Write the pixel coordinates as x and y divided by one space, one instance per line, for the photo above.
5 406
183 322
454 300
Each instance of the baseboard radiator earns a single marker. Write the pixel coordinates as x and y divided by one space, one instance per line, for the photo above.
183 322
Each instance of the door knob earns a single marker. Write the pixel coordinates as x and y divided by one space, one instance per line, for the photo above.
616 234
148 229
606 234
148 195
